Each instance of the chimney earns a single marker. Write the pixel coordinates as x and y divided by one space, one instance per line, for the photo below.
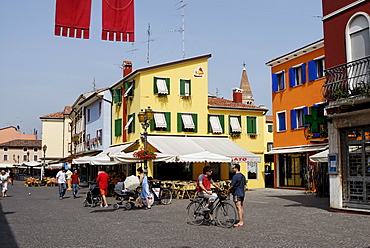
127 68
237 95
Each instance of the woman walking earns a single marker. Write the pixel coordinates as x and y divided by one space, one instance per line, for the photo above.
145 189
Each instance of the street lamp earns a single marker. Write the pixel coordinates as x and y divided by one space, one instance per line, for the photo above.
145 116
44 148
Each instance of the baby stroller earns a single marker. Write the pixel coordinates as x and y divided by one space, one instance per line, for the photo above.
93 197
124 196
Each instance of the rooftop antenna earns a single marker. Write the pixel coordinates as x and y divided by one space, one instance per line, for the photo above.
182 30
149 40
133 49
94 85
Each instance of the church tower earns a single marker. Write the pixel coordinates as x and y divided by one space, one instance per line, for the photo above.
247 97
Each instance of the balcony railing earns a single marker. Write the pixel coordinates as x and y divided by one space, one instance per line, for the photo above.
347 80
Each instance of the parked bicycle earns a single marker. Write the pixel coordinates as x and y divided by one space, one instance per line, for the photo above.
223 212
159 193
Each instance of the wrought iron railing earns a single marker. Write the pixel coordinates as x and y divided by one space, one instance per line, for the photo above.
346 80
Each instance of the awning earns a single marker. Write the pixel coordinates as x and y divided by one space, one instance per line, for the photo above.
31 164
320 157
105 157
7 166
192 145
205 156
298 149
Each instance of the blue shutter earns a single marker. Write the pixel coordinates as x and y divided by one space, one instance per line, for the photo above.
292 77
312 70
293 119
282 79
305 112
275 82
304 73
281 117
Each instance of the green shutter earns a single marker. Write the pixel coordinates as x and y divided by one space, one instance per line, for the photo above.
195 120
209 123
117 95
128 85
152 124
168 85
230 129
222 122
133 124
189 87
182 87
179 122
155 89
167 116
269 128
251 125
118 127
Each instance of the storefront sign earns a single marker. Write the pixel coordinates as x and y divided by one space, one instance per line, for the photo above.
246 160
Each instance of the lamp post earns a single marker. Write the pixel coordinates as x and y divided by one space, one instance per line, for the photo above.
44 148
145 116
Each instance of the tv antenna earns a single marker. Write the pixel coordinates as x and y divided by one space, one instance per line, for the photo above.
149 40
94 85
182 29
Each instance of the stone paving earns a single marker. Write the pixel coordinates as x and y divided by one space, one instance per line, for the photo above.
273 217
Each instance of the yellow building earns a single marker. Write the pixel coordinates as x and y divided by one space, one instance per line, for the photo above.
188 121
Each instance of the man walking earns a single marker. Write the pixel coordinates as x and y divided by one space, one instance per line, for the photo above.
61 177
75 183
238 187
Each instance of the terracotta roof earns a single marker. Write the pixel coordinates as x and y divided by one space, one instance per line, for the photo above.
224 103
59 115
269 118
22 143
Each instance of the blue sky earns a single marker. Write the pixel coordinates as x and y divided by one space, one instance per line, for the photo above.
41 73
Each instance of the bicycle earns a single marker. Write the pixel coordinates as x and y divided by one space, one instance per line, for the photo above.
225 213
159 194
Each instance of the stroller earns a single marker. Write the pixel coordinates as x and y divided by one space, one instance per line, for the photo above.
124 196
93 197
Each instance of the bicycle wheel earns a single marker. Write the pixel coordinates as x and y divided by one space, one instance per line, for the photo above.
226 214
166 196
195 214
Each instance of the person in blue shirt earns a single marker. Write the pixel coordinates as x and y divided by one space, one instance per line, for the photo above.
238 187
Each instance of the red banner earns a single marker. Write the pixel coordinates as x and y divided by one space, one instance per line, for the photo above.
118 20
72 18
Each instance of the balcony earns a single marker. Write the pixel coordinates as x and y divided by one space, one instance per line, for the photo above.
347 86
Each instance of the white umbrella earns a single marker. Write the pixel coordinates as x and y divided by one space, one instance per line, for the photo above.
132 182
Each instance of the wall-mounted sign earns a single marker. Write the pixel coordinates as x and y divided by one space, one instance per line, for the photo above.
199 72
333 163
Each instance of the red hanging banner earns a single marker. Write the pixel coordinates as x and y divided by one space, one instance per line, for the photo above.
72 18
118 20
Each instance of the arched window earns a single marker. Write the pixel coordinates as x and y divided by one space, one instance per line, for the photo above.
358 37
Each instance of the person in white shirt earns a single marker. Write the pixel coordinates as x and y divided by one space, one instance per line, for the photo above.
61 177
4 182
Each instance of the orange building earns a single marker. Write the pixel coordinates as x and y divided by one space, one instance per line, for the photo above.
298 115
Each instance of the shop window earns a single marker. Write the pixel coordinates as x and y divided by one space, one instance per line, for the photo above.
252 170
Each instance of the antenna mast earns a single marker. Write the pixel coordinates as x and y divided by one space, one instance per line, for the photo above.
182 30
147 56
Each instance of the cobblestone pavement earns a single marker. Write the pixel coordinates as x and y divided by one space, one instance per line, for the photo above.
274 218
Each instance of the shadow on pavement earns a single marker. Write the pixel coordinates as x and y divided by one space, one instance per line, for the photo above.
7 238
306 201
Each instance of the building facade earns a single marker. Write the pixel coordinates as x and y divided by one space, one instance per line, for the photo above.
177 93
300 128
347 95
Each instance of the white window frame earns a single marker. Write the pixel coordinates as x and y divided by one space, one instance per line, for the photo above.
281 74
299 119
161 86
235 125
298 74
187 120
215 124
278 123
160 120
351 30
